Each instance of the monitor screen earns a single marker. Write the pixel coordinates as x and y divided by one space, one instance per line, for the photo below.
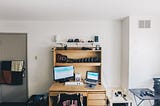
92 75
63 73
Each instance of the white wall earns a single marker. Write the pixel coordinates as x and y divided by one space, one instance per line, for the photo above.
40 36
125 53
144 53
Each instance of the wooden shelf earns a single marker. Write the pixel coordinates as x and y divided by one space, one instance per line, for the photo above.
82 58
82 61
78 51
78 64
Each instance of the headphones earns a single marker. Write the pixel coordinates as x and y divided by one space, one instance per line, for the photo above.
119 93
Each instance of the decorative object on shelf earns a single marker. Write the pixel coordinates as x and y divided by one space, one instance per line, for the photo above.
61 58
70 40
76 40
65 47
98 47
73 40
86 48
55 38
90 41
96 38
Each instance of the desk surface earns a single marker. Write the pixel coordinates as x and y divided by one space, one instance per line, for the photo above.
138 91
61 87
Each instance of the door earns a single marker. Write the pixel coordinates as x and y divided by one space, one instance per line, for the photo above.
14 47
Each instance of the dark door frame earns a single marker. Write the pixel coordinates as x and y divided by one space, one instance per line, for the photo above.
26 36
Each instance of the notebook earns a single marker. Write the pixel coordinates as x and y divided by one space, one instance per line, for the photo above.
92 77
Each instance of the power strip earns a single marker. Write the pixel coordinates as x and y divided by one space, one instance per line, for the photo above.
74 83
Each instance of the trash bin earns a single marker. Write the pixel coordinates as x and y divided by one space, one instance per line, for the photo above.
38 100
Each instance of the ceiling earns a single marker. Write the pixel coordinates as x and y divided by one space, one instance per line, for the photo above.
76 9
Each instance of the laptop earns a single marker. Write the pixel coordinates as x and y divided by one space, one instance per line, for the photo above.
92 77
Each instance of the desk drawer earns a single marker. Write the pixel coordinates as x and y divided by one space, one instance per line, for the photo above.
96 103
96 96
56 93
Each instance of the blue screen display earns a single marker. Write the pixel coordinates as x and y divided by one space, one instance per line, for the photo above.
92 75
63 72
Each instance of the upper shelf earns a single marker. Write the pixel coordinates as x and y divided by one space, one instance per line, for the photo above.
77 44
78 50
78 64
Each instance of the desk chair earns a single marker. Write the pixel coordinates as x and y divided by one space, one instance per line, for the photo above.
69 100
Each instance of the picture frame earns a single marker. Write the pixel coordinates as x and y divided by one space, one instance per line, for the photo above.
98 47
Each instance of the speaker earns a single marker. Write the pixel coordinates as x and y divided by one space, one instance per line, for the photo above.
96 38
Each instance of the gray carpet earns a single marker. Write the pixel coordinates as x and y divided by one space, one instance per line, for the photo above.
13 104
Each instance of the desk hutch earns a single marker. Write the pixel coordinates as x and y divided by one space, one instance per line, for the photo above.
83 60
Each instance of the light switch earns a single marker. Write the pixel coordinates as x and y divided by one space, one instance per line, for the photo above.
36 57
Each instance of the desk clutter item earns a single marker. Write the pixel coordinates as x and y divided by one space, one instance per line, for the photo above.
77 77
38 100
11 72
156 87
74 83
144 94
119 97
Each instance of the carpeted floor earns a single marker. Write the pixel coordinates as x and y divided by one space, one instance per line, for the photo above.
13 104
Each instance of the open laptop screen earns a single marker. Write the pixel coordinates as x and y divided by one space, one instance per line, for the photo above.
92 75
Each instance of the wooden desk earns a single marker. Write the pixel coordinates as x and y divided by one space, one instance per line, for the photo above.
95 97
119 100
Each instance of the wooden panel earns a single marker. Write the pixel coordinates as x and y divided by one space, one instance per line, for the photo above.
54 56
83 69
78 64
56 93
100 92
58 87
96 102
96 96
77 54
77 48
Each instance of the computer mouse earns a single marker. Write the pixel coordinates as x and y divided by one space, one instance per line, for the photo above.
90 85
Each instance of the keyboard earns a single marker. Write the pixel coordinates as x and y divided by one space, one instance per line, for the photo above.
91 82
74 83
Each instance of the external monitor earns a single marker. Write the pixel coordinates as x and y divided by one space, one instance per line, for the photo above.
63 73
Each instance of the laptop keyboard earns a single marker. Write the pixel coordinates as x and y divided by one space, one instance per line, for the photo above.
91 81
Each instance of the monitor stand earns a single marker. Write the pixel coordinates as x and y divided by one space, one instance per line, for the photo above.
63 80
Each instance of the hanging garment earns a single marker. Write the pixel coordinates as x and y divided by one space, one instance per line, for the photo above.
6 65
11 72
69 100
